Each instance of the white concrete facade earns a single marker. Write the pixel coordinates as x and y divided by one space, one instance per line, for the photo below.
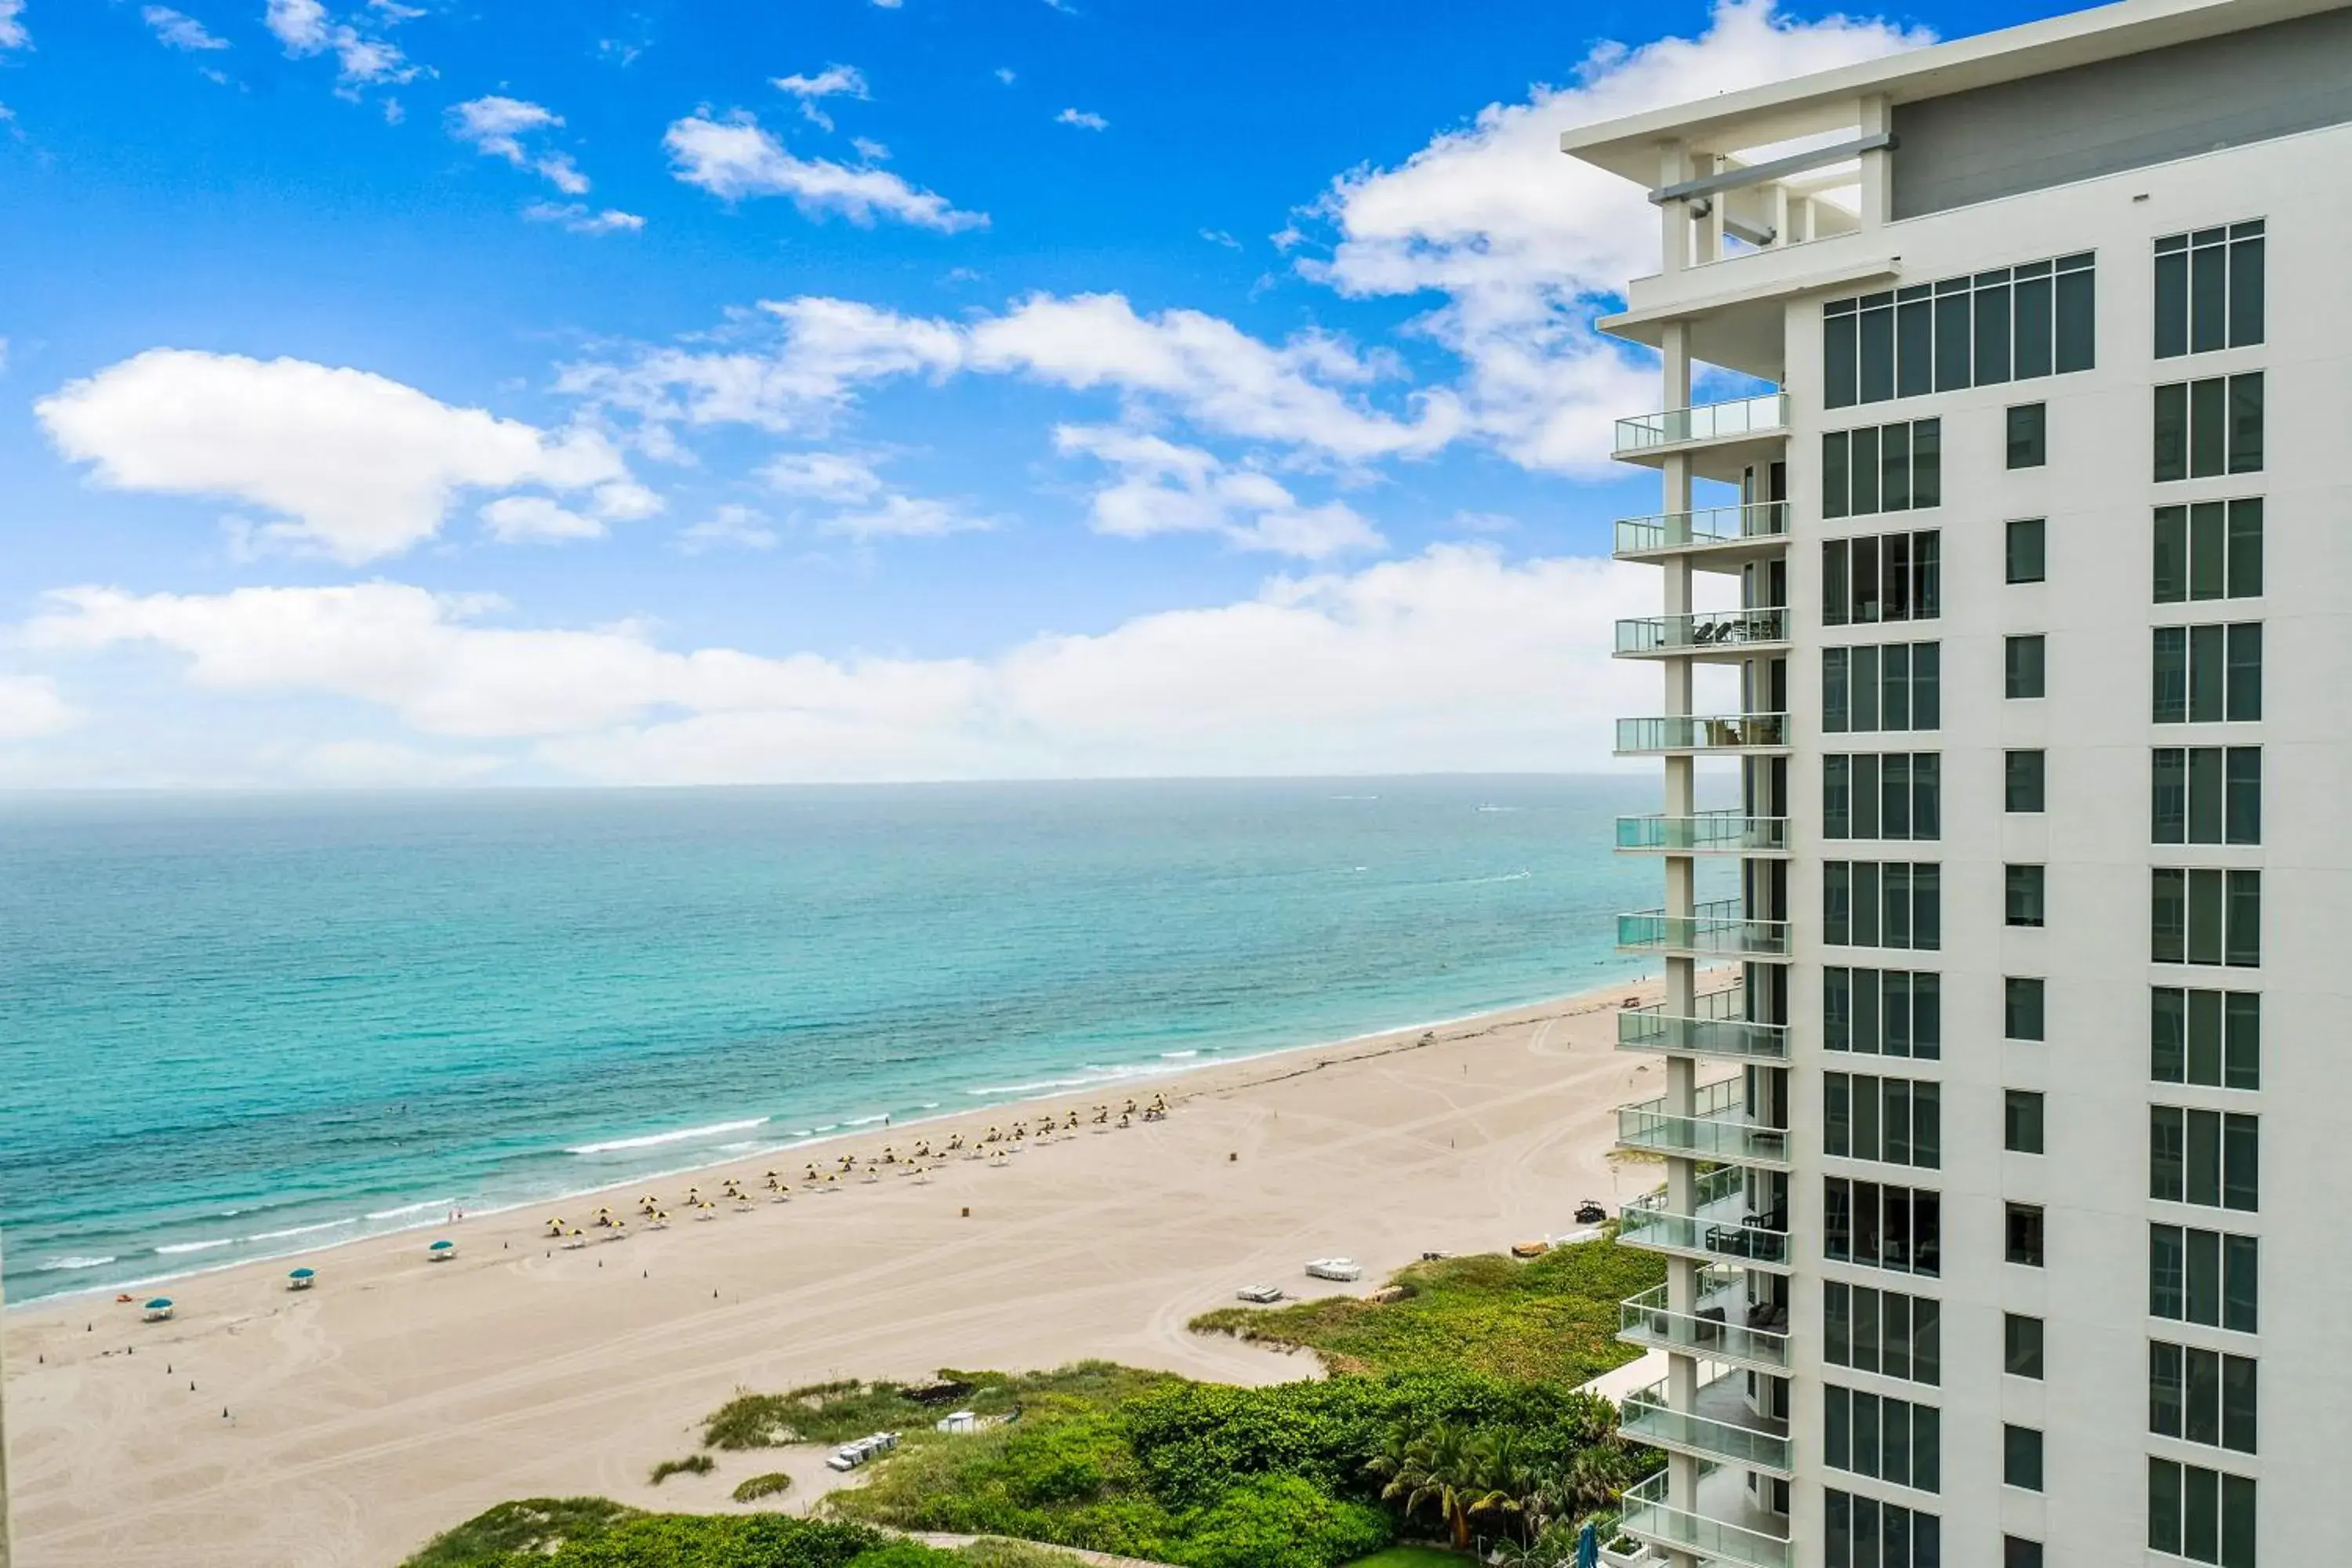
1761 308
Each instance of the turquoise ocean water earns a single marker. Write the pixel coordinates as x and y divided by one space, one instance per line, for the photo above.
233 1027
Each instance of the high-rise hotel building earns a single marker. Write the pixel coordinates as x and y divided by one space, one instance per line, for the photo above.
2007 1009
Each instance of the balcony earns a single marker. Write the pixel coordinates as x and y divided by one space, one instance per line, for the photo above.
1716 1026
1679 734
1704 833
1718 1129
1725 538
1719 1329
1721 439
1710 930
1709 635
1729 1528
1718 1426
1724 1229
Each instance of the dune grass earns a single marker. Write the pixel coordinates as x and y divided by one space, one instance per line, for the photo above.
1550 1319
692 1464
774 1484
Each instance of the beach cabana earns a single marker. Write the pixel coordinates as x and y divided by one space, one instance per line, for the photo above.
441 1251
159 1309
301 1279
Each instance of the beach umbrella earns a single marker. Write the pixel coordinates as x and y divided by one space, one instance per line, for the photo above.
303 1274
160 1304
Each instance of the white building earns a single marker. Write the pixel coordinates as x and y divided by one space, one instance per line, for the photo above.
2006 1242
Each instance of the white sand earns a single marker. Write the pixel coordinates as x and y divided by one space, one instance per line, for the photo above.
401 1397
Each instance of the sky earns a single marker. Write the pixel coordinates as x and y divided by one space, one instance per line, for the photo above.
530 392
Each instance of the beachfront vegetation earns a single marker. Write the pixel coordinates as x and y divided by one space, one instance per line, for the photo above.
589 1533
774 1484
1450 1414
692 1464
1551 1319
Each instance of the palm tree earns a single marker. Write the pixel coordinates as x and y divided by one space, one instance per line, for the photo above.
1438 1467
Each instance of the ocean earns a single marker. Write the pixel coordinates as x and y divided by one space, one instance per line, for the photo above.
241 1026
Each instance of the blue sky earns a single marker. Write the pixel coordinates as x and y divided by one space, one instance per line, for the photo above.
488 391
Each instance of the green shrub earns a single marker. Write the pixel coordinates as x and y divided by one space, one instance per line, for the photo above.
537 1526
692 1464
907 1554
995 1553
774 1484
1281 1521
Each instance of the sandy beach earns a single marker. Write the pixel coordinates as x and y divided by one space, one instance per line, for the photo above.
346 1425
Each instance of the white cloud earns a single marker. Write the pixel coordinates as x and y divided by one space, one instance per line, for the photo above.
1522 241
1164 487
896 516
833 81
515 518
1300 393
888 4
734 158
1452 660
1084 119
1219 237
12 25
1004 74
873 151
734 526
495 127
179 31
388 764
306 27
31 708
353 465
578 218
822 475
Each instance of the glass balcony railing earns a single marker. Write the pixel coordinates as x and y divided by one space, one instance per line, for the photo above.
1694 733
1647 1514
1704 631
1741 417
1722 1427
1718 1328
1718 1129
1716 1030
1723 1226
1713 927
1715 831
1701 527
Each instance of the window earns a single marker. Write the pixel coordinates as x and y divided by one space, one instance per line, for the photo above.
2021 1007
1898 1120
2021 663
2021 781
2206 795
1883 467
2208 1277
2209 290
2022 1122
2212 1158
1881 687
2016 1552
2025 893
2025 549
2206 916
2029 437
1873 903
1883 1332
2021 1345
1881 1227
2024 1230
2200 1514
1895 796
2020 1457
2213 550
2208 427
1882 1013
2210 674
2201 1397
1888 1439
1882 577
1865 1532
2013 323
2208 1037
